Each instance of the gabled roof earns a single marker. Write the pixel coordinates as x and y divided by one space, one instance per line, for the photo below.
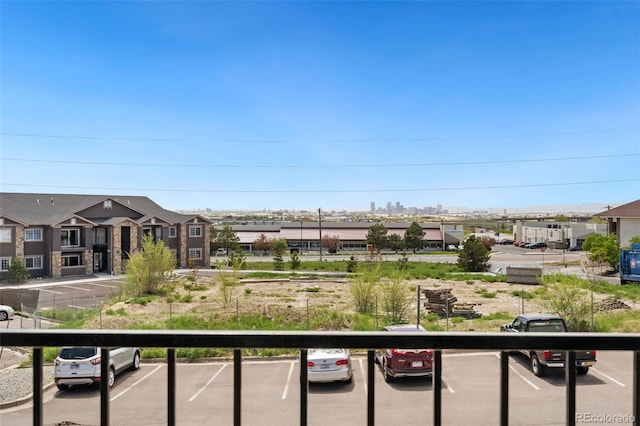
631 209
51 209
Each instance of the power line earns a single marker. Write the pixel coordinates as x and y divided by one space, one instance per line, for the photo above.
317 191
318 166
336 140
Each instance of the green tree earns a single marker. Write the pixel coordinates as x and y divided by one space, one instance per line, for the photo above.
377 236
474 256
148 268
414 237
225 238
395 242
363 286
279 247
634 240
395 298
570 301
230 279
603 249
295 261
17 271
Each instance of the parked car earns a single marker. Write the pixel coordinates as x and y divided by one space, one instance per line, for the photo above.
405 362
6 312
81 365
329 365
542 359
537 245
575 248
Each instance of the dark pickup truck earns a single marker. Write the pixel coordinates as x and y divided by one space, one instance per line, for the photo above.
543 359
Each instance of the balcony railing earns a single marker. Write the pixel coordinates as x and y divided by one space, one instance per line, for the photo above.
238 340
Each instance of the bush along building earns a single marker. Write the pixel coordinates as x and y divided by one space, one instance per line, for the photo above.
59 235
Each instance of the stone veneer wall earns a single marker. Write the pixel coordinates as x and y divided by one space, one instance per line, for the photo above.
20 242
183 246
88 262
56 264
116 246
206 250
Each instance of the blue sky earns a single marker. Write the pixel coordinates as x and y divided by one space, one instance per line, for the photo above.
300 105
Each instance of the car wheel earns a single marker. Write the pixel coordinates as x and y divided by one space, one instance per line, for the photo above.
4 316
112 377
582 370
538 369
62 387
349 380
136 361
385 372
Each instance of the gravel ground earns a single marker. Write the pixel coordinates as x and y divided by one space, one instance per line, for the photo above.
16 383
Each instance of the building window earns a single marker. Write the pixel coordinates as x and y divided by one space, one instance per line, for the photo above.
70 237
34 234
195 253
5 235
4 263
195 231
173 232
107 204
100 236
71 260
33 262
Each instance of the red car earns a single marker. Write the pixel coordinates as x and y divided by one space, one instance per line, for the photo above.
405 362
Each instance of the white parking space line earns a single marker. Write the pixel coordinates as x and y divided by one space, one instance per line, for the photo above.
208 383
102 285
77 288
529 382
51 291
286 386
449 388
76 307
364 376
127 389
609 377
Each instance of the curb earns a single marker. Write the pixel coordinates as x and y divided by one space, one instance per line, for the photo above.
24 400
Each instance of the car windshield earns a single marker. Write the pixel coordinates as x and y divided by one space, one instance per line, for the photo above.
77 353
547 326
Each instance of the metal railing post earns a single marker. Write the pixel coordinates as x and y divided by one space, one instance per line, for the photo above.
437 387
504 388
237 387
304 387
171 384
371 380
636 388
37 386
570 383
104 386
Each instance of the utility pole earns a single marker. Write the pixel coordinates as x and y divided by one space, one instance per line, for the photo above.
320 222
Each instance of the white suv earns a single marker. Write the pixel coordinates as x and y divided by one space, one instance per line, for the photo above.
81 365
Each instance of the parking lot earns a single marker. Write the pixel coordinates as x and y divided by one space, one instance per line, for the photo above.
270 395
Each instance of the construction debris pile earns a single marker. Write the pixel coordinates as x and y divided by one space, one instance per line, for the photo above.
611 303
442 303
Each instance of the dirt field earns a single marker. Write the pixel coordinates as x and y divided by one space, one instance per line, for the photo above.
295 296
